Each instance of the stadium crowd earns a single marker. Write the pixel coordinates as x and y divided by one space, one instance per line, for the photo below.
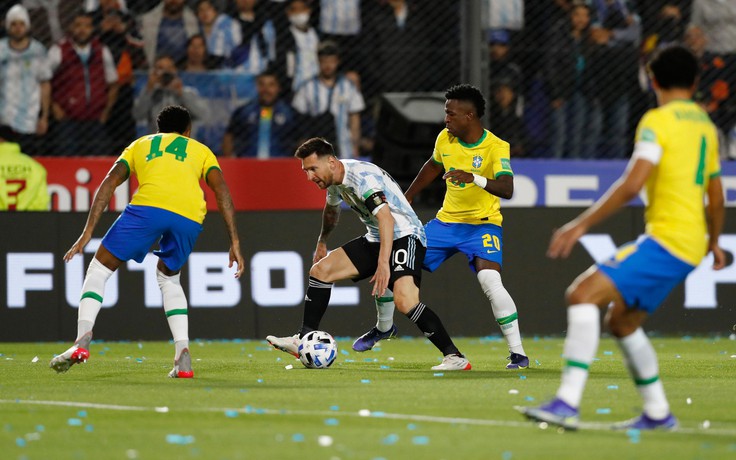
566 77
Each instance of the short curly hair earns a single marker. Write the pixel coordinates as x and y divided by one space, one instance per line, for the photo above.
469 93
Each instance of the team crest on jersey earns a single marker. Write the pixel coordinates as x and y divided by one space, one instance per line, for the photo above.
477 161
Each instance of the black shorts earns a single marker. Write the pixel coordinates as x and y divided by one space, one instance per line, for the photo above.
407 255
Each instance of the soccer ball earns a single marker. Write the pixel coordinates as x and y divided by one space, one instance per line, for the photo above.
317 350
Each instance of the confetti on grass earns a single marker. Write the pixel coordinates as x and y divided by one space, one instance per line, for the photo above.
179 439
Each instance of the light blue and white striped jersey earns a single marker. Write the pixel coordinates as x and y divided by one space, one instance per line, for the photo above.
312 97
224 36
254 61
363 179
21 73
303 64
339 17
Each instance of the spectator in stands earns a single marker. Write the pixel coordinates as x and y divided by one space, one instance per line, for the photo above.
714 87
264 128
341 21
117 32
503 67
50 19
22 179
571 87
717 20
617 34
166 29
25 89
505 121
399 55
297 47
220 30
164 88
332 104
84 90
257 43
198 59
668 27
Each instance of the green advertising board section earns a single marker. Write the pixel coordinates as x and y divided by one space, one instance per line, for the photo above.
37 289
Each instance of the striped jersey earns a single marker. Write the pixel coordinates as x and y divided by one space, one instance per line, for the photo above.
361 181
20 91
339 17
682 142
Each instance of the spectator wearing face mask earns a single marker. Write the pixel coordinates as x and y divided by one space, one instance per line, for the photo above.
297 47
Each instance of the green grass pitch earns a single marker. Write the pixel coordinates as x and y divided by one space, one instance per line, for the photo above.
384 404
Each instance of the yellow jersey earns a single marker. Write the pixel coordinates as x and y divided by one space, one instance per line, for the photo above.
468 203
168 167
22 181
675 209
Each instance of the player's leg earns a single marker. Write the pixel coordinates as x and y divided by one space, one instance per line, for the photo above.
385 329
641 361
175 246
590 292
337 265
406 261
100 269
504 310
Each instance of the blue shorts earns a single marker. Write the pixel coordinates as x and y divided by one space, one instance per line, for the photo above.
645 273
444 240
140 227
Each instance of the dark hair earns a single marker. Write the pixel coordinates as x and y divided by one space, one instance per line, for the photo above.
173 119
8 134
328 48
269 71
469 93
674 67
318 145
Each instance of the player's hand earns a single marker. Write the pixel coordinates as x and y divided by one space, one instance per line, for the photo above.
719 257
320 252
564 239
237 258
77 247
380 279
458 176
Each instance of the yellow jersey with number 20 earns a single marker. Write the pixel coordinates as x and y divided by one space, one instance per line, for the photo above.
468 203
168 167
675 210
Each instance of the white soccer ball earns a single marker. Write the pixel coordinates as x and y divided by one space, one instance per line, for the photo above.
317 350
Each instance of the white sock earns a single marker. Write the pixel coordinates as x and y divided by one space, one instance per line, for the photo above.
581 344
90 303
385 308
641 360
175 306
504 308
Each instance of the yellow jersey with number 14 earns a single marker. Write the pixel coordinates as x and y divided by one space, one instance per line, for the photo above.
168 167
675 210
468 203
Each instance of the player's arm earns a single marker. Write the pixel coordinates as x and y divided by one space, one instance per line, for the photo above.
216 181
502 186
330 217
425 176
715 213
117 175
386 231
620 193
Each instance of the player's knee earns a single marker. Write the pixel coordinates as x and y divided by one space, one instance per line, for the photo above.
621 325
321 271
165 281
575 294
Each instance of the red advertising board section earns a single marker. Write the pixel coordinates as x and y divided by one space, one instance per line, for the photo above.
277 184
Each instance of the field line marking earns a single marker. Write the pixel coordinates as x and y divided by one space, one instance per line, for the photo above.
586 426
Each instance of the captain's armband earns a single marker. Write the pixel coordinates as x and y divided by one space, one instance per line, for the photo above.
375 200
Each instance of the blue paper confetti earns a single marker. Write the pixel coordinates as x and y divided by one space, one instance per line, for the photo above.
603 410
179 439
89 428
385 367
439 374
411 427
365 381
335 407
344 352
506 455
20 442
332 422
420 440
612 387
230 413
390 439
297 437
522 377
634 435
82 413
74 422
